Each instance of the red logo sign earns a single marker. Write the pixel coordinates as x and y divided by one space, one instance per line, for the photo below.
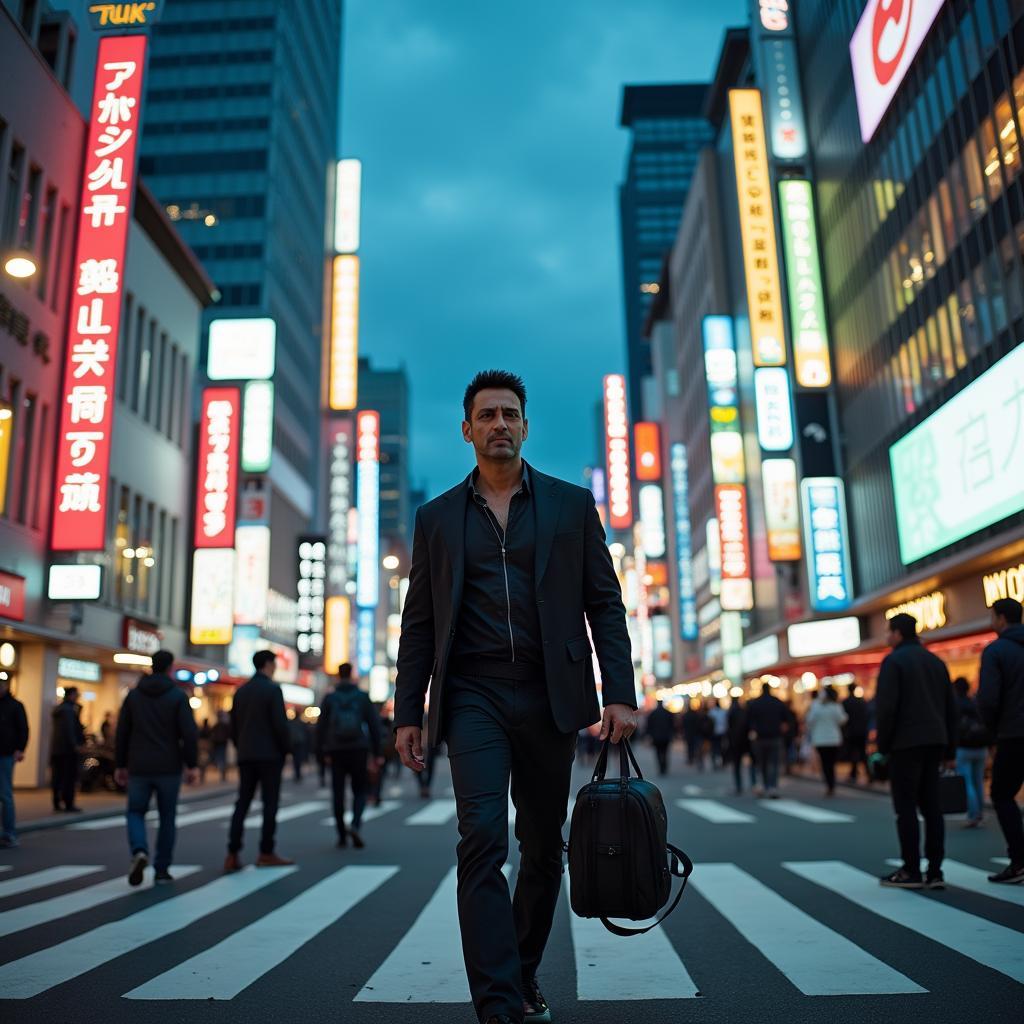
217 483
890 31
648 451
12 596
87 409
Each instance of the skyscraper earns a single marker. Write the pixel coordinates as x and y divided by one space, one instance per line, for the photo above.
239 141
668 129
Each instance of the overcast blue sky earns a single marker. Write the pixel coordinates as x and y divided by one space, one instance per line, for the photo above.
491 158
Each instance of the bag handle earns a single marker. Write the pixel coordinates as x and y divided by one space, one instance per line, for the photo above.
626 758
679 859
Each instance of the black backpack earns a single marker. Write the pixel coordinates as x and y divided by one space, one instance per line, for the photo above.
346 724
620 861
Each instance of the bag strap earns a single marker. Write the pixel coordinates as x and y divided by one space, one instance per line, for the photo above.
679 860
626 758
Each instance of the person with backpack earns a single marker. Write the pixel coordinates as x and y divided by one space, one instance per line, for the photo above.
155 737
1001 703
348 733
971 750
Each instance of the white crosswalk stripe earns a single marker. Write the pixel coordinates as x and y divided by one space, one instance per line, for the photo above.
817 960
808 812
38 972
49 876
246 955
437 812
990 944
4 867
57 907
299 810
183 818
963 876
715 812
370 814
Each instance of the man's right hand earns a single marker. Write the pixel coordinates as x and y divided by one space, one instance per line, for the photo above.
121 776
409 744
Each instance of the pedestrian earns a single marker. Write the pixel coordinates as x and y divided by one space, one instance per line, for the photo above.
219 736
507 569
917 714
855 733
259 730
1001 703
972 743
67 738
767 723
739 744
791 744
13 741
825 721
661 727
107 727
693 725
156 736
347 736
719 728
299 739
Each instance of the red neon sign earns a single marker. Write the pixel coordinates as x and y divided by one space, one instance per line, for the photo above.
105 209
616 435
648 451
217 472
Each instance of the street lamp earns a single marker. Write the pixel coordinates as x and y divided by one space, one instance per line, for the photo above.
20 264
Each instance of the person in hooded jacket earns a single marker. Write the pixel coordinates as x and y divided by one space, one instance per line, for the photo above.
156 735
67 738
1001 704
13 741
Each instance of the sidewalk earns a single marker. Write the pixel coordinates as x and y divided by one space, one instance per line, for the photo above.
34 807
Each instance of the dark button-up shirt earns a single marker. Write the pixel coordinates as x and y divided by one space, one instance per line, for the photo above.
498 618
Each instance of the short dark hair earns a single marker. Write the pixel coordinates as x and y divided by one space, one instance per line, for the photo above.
1010 609
345 670
905 625
830 694
494 379
162 661
261 658
962 687
70 691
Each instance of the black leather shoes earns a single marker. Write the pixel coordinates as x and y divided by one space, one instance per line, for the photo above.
535 1006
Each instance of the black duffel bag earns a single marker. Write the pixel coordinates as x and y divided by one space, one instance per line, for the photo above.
952 792
620 861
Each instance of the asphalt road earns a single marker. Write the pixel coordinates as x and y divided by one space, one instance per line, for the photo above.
784 922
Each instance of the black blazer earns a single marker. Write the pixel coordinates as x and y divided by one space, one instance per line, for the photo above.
574 577
259 722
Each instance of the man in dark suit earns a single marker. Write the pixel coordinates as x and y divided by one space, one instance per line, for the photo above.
259 730
507 569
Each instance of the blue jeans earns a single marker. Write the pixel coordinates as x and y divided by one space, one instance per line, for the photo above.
767 754
7 796
970 763
140 789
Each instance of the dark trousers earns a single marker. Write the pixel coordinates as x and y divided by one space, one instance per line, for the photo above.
267 776
349 764
661 753
64 779
1007 778
828 756
737 770
857 747
914 781
767 753
497 730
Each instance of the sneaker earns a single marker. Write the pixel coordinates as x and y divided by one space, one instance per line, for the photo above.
1012 874
357 839
935 880
535 1006
162 878
272 860
902 879
138 868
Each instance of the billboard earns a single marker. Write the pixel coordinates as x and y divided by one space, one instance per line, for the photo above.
773 408
343 354
737 586
212 613
781 509
348 185
339 501
86 413
257 426
647 442
217 468
616 434
337 622
827 540
252 573
241 348
368 503
311 587
961 469
652 520
684 543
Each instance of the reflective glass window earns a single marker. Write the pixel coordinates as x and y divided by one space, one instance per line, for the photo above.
991 159
959 351
946 343
1009 141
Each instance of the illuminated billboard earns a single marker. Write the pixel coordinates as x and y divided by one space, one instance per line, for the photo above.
217 473
773 408
348 183
257 426
337 622
343 354
962 468
616 433
806 293
652 520
252 573
86 412
827 542
74 583
737 586
781 509
311 587
647 441
684 543
339 502
368 503
366 640
757 227
212 613
241 349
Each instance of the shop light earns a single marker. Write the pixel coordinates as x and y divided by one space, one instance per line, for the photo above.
736 691
143 660
199 679
390 562
20 264
212 676
7 655
195 703
183 675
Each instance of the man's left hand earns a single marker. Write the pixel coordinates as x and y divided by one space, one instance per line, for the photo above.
620 720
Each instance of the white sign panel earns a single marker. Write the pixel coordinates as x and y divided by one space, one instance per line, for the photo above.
74 582
760 654
346 205
79 671
252 574
827 636
652 520
241 349
774 412
213 578
884 44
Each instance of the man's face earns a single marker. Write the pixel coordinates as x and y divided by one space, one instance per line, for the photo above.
998 622
894 638
497 429
270 667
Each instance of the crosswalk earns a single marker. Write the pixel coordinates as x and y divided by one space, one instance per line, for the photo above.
720 813
793 917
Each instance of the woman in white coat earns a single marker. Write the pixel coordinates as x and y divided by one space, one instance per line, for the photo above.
825 721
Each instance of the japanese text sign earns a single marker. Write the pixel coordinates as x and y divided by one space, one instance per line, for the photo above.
217 468
803 274
962 468
87 408
339 502
616 433
757 227
781 509
684 543
343 368
731 509
368 504
823 501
